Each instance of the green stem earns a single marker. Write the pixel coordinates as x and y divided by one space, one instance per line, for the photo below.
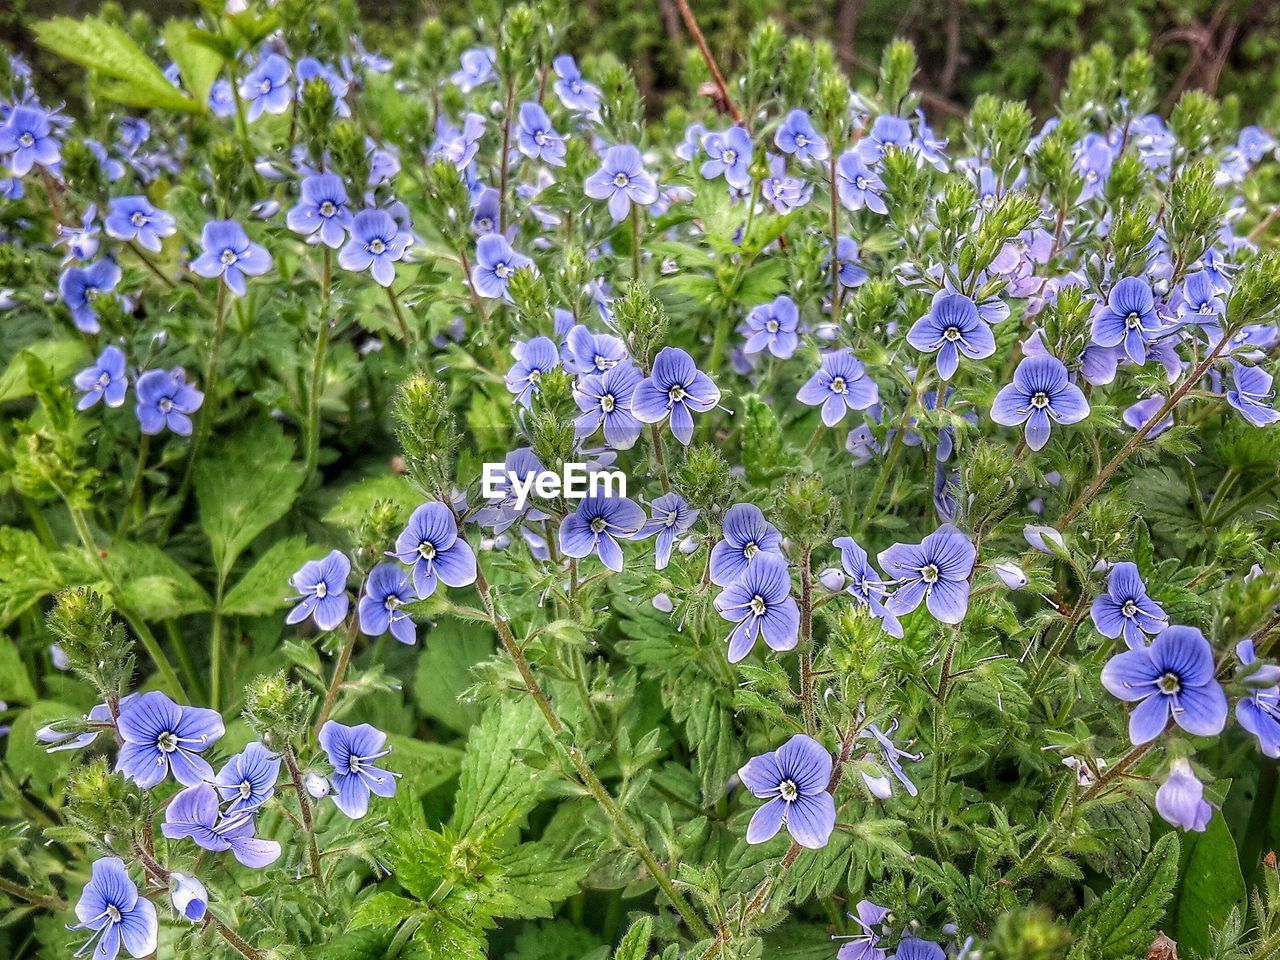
635 242
339 673
396 309
656 435
895 448
144 447
304 806
317 366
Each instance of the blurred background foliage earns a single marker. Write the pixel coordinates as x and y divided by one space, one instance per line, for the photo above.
1018 49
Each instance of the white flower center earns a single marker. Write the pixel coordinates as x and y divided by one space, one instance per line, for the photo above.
929 573
327 209
1170 683
757 605
951 333
677 393
598 525
1039 399
839 386
607 403
377 247
788 790
427 550
621 179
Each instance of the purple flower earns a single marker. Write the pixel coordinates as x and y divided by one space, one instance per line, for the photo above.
1202 302
248 780
936 571
890 753
1126 609
352 751
1259 712
495 263
865 584
783 192
1180 799
952 327
98 719
676 388
857 186
321 212
585 352
574 92
111 908
376 243
80 286
1039 395
1175 675
797 137
730 154
385 592
229 254
105 380
605 398
863 946
848 265
1139 414
194 813
165 399
322 590
534 360
1128 317
1252 395
747 534
265 88
432 549
135 218
772 326
671 516
27 137
501 511
158 736
840 384
622 180
597 525
486 211
536 138
188 895
760 604
913 948
476 70
794 780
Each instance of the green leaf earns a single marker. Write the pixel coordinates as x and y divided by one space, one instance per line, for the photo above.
15 683
384 910
423 766
197 63
155 587
125 73
494 785
444 670
1212 885
61 356
1120 924
265 588
27 573
533 878
635 942
243 486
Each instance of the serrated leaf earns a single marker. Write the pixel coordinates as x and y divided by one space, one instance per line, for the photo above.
635 942
1123 921
265 587
494 786
154 585
444 670
198 64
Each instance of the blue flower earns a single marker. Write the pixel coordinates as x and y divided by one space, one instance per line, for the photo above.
597 525
484 217
871 918
797 137
158 736
1126 609
322 591
1259 711
136 218
586 353
460 147
536 138
747 535
1252 395
1180 799
848 268
1040 395
188 895
194 813
891 755
376 243
857 186
476 70
865 584
248 780
352 751
105 380
1174 676
1128 317
670 517
321 213
952 327
605 398
495 263
574 92
386 591
794 779
265 88
79 287
500 512
913 948
760 604
1202 301
782 192
622 180
430 546
730 154
82 241
676 388
27 137
840 384
534 360
936 571
773 326
309 68
111 907
165 399
228 253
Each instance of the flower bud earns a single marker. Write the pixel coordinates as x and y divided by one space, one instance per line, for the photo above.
276 709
